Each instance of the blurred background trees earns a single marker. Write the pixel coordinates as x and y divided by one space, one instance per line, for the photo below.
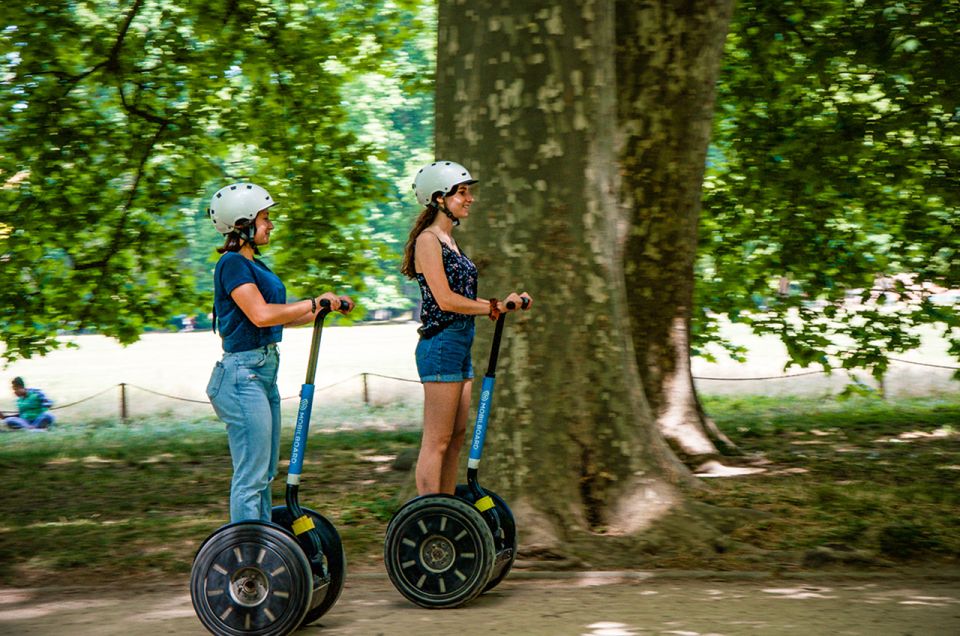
830 187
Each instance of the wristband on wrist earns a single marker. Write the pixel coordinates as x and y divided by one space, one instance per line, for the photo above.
494 310
313 305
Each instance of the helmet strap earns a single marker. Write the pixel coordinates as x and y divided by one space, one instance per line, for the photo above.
447 212
247 234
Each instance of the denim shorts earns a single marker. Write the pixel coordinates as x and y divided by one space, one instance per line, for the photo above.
446 356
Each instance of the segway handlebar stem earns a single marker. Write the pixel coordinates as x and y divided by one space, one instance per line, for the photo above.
306 397
486 397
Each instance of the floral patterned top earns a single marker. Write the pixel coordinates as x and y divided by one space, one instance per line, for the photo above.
462 277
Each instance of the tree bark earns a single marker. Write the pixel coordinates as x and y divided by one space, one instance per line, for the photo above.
527 100
670 51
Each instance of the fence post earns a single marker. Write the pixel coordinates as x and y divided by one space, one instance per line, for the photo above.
366 391
123 402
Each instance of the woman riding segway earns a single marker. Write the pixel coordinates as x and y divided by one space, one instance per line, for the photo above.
448 287
271 568
448 544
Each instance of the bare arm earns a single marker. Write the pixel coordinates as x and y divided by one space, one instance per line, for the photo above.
263 314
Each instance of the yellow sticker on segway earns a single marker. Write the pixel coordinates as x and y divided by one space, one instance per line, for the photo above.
484 504
303 524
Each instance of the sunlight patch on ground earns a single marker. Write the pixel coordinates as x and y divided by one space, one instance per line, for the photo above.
944 432
716 469
158 459
790 471
94 461
379 459
935 601
609 629
601 577
14 596
801 593
62 523
61 461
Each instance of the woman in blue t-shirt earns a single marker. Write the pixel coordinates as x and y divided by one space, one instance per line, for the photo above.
448 286
250 305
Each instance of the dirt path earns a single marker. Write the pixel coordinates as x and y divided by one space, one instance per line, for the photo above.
587 604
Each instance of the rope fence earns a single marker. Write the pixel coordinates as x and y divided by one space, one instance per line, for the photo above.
365 385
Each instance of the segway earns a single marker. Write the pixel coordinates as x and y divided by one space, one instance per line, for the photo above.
268 578
441 550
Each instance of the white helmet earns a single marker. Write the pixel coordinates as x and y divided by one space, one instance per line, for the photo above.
237 201
439 176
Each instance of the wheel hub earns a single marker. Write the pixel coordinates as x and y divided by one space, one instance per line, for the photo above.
437 553
249 587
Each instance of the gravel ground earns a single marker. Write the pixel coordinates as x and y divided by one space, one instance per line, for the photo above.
587 604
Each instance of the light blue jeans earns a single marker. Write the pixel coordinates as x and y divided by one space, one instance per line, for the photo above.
44 421
243 391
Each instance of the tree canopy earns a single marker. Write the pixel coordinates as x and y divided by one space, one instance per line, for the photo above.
832 185
119 120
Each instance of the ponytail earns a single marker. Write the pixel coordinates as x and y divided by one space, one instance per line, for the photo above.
409 268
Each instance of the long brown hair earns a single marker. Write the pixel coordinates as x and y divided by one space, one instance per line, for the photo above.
409 267
234 241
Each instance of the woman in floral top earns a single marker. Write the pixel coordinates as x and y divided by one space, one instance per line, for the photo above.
448 286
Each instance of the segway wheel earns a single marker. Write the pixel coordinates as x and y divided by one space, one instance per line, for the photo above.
506 542
438 551
251 578
333 552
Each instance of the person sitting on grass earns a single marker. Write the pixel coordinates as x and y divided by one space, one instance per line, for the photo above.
32 409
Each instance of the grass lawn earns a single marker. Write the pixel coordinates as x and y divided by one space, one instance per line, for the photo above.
861 483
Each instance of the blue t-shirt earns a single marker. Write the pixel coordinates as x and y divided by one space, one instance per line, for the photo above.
238 333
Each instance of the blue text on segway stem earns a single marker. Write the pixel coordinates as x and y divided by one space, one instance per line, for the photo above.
483 413
300 434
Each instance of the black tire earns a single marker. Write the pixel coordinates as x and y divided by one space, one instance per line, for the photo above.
251 578
508 538
333 552
438 551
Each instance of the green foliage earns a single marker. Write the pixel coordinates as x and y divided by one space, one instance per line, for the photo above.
834 169
399 122
119 120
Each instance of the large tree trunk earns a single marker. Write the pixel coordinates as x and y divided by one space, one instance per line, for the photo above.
526 99
671 52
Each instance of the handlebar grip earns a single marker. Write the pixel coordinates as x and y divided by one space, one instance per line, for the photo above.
325 304
523 305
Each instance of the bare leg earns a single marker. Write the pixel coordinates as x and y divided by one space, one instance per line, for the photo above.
451 459
441 401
